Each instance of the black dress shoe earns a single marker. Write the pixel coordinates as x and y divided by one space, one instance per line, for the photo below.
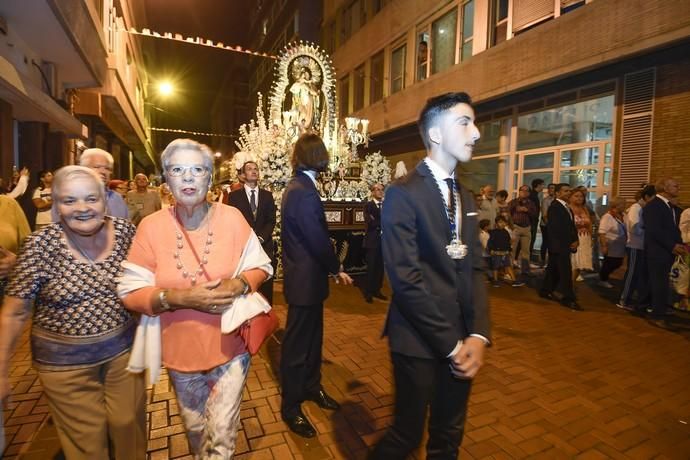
572 305
546 295
300 425
380 296
368 299
323 400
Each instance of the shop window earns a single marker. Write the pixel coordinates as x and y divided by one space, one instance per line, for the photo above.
358 90
398 69
376 81
443 41
583 121
467 30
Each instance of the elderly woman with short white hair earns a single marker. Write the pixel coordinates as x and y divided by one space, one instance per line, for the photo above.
81 334
191 252
613 236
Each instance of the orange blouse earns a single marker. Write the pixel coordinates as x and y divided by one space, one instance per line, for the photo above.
191 340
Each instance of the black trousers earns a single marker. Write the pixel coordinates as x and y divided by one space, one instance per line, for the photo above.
300 357
533 238
374 270
544 243
422 384
635 278
558 276
610 265
658 270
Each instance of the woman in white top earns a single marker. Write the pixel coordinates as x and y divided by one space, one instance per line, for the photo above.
42 200
612 238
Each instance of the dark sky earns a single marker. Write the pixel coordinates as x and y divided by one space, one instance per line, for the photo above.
197 71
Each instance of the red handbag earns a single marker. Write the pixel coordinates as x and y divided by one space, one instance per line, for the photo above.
255 331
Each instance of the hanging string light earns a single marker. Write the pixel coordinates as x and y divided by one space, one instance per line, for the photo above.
196 133
195 41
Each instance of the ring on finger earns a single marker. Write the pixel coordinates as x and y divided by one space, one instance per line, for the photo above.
214 307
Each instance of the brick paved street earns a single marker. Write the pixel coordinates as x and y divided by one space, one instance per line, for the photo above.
557 384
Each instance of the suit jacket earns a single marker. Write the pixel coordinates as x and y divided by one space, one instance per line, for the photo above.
436 300
372 218
560 229
308 255
265 220
661 233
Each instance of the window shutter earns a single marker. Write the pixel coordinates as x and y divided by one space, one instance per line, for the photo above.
528 12
636 131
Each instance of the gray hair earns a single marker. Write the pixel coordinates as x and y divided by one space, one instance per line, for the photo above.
68 173
188 144
89 153
618 200
660 184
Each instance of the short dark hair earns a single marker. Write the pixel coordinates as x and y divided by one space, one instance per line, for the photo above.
550 184
560 186
484 223
246 163
648 191
537 182
501 218
435 107
502 193
309 153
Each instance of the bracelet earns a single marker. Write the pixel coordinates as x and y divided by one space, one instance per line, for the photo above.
246 284
163 299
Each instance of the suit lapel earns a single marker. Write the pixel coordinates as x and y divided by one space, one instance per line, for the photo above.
435 198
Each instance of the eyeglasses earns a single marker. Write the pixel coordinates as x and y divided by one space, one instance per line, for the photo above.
179 170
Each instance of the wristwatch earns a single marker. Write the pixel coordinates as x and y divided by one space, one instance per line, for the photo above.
163 298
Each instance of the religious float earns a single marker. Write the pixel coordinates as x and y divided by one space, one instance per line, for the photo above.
303 98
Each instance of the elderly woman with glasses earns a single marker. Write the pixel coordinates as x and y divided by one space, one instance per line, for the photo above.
81 334
192 251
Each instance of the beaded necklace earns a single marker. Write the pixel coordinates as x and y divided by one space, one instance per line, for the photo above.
180 245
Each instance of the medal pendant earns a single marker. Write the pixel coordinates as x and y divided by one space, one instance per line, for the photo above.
456 250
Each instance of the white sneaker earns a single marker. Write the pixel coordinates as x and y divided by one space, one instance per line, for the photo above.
605 284
579 278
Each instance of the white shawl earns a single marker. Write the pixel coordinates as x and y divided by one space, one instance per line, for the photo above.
146 350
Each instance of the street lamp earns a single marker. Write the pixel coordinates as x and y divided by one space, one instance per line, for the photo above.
165 88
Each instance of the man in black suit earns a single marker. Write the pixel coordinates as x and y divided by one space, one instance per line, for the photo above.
662 242
372 244
562 241
308 259
259 210
438 319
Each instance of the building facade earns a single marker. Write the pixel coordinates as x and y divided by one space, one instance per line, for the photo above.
69 78
590 92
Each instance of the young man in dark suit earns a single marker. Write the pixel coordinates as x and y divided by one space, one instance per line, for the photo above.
438 319
259 210
372 244
308 259
562 242
662 242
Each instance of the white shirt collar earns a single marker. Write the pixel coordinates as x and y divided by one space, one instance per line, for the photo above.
562 202
436 170
248 189
311 174
666 200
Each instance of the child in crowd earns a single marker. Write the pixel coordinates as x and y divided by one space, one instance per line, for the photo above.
484 226
499 250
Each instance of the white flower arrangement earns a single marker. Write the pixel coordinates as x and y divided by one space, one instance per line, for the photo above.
269 147
375 170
